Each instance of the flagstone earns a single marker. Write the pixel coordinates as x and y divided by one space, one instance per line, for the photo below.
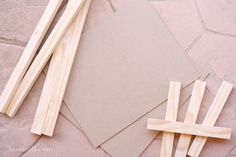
218 15
219 52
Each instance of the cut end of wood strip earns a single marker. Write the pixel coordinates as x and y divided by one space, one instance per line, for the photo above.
34 131
174 85
4 101
10 114
14 104
8 92
197 146
2 107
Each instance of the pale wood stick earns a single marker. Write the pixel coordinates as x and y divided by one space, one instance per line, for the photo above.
191 116
64 73
189 129
171 115
57 77
211 117
44 55
50 83
46 94
28 54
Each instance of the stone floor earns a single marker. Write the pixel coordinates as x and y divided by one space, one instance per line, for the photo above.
206 29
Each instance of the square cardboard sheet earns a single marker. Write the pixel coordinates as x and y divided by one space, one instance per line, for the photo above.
122 71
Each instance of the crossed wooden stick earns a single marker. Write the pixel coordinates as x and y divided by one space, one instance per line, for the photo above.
169 126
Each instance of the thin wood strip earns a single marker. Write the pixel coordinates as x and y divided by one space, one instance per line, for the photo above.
58 74
189 129
171 115
28 54
64 73
47 92
211 117
44 55
57 98
191 116
50 82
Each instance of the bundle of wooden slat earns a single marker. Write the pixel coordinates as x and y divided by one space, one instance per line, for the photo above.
62 45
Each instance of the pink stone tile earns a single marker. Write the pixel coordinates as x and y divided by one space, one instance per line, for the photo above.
15 133
181 18
67 141
219 52
219 15
19 18
9 55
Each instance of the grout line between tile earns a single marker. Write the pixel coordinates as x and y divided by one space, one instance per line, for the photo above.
220 33
111 5
229 154
204 24
199 14
28 149
194 42
12 42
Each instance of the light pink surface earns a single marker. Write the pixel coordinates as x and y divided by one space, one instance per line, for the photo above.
206 29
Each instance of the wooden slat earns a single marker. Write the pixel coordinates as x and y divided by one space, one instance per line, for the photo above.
189 129
28 54
44 55
191 116
171 115
57 77
49 84
56 101
211 117
46 94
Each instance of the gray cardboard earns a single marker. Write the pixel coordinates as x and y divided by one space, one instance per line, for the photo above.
122 71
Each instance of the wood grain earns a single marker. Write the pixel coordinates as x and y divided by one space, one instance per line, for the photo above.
189 129
50 83
211 117
44 55
191 116
28 54
171 115
64 73
57 77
